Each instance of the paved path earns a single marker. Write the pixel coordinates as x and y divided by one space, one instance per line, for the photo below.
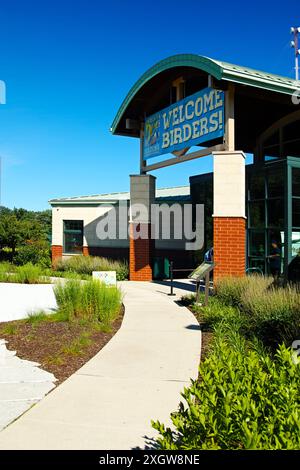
22 384
17 301
138 376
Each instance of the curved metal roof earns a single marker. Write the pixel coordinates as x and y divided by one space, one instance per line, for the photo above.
218 69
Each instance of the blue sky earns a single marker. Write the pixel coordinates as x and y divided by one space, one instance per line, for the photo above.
68 65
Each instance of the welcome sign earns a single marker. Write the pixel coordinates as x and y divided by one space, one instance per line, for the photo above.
194 120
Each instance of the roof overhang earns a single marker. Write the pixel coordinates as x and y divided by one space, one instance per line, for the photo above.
221 71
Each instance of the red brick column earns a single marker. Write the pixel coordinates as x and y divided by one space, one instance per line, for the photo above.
85 251
229 246
57 251
141 244
140 253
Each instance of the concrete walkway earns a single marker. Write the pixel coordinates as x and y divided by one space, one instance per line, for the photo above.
138 376
22 384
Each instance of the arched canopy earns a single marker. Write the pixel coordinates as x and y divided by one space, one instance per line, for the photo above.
152 91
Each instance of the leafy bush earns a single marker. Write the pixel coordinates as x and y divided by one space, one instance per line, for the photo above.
89 300
88 264
35 252
20 231
244 400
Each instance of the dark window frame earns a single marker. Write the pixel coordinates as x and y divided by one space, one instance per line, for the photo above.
78 248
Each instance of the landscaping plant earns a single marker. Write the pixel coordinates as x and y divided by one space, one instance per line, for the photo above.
89 300
247 395
27 274
87 264
243 400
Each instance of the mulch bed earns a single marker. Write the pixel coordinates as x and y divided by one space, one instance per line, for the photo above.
206 333
43 343
206 340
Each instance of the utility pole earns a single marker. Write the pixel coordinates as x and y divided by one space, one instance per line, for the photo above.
295 44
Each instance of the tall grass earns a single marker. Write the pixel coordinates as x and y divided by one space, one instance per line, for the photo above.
272 314
230 290
88 264
90 300
27 274
5 270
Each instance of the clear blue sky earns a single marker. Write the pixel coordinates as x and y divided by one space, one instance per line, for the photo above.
69 64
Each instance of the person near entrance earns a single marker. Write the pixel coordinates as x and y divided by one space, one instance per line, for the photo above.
209 256
275 260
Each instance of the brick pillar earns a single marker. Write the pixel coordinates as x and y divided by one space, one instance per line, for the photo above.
141 246
229 246
229 214
85 251
57 251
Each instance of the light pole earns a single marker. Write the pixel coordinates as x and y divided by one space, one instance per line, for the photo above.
294 43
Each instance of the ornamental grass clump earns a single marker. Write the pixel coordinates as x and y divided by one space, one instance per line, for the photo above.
271 313
88 264
5 270
274 314
230 290
88 300
26 274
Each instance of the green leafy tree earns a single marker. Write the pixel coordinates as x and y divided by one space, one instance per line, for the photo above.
25 235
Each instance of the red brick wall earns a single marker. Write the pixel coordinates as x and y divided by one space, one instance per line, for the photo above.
140 254
229 246
57 251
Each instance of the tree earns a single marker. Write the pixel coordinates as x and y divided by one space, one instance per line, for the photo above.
25 234
11 232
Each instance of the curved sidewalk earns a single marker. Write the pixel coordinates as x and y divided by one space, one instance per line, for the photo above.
136 377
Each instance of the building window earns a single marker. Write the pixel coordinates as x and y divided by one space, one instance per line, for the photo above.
73 236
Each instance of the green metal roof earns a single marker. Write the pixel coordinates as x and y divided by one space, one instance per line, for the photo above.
174 193
219 70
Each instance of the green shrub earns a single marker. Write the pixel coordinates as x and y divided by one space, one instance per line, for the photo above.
35 252
88 264
90 300
216 312
244 400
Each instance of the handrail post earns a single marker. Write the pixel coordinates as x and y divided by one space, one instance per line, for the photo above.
171 279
